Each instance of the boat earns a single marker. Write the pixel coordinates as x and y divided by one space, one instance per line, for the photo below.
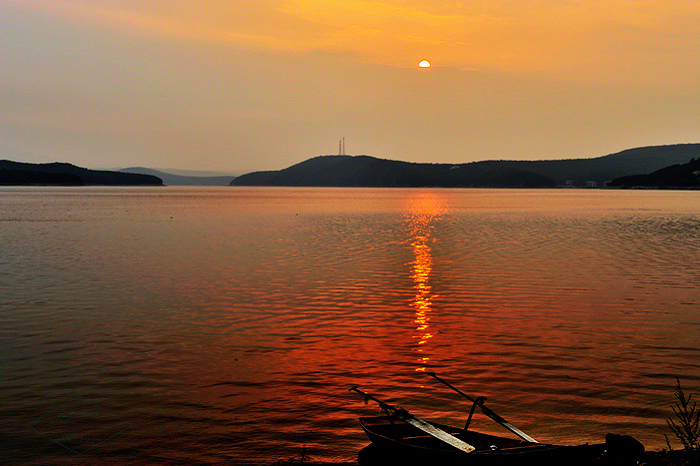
402 441
408 439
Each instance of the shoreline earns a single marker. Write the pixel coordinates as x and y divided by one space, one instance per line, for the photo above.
649 458
372 456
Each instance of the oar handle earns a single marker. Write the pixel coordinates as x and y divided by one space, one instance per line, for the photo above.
382 404
479 401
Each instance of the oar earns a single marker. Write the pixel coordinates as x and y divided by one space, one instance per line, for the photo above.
487 411
408 418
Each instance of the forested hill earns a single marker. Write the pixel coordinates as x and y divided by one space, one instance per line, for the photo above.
676 176
65 174
373 172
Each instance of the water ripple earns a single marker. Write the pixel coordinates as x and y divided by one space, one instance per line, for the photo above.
209 318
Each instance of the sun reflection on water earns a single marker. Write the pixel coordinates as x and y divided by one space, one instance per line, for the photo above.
425 209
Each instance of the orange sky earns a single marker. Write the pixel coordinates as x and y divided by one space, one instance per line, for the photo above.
249 84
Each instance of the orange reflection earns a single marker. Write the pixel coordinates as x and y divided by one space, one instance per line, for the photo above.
425 209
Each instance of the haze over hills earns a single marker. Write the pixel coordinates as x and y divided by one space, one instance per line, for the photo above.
174 179
373 172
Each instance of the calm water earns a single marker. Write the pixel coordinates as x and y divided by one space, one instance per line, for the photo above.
186 326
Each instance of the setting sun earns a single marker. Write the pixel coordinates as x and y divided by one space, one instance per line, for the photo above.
424 64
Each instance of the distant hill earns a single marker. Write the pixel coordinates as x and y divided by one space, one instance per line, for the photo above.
578 172
171 179
373 172
65 174
345 170
675 176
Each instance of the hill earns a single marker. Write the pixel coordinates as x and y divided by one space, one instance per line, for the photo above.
65 174
364 171
608 167
675 176
372 172
171 179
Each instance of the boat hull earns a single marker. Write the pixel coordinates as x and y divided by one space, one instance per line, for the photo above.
403 442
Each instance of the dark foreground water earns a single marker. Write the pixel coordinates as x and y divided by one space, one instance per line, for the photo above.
187 326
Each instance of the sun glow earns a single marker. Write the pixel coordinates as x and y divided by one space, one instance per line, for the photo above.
424 64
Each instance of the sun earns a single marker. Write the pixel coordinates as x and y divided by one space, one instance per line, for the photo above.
424 64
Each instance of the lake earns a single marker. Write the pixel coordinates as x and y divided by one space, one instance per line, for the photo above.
209 325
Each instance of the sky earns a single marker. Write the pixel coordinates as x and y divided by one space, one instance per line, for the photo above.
240 85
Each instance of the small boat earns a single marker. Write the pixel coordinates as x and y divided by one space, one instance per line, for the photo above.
411 440
403 441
